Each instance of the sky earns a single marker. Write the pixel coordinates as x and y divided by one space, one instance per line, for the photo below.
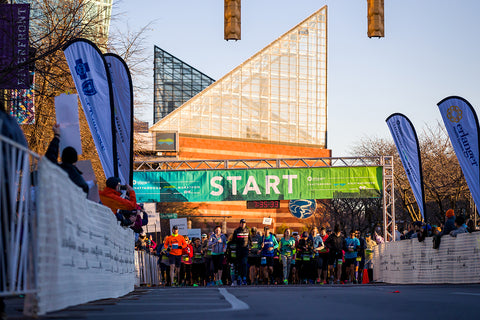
431 50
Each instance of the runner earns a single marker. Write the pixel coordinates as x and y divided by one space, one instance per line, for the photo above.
198 266
360 257
218 245
324 255
231 259
318 245
286 248
269 244
174 245
187 254
241 236
305 252
352 244
335 244
254 256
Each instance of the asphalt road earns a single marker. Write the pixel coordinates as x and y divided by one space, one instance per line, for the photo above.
286 302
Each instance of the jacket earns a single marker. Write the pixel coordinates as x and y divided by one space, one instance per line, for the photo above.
242 238
218 245
112 199
175 244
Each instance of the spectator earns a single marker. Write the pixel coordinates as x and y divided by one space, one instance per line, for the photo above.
449 222
370 246
111 197
460 225
137 220
69 158
471 226
398 235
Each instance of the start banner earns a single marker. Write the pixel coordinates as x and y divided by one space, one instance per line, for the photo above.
258 184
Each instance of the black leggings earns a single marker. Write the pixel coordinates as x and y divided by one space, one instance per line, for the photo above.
217 262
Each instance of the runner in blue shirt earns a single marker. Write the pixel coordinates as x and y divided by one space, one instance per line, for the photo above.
269 244
352 245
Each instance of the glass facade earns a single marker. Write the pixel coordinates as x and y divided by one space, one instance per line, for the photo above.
278 95
175 83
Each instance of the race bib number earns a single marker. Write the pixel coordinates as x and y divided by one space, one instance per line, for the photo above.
263 261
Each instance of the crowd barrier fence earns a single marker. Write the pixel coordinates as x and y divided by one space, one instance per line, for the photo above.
57 247
457 260
146 269
17 219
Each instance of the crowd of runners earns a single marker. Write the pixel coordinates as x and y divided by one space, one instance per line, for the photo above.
251 257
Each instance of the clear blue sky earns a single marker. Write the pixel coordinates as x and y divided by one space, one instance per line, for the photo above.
431 50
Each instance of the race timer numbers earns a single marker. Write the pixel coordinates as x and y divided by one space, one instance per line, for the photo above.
263 204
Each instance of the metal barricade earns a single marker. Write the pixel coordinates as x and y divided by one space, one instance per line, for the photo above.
17 218
146 266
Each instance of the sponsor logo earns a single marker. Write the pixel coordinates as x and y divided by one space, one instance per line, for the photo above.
81 69
302 209
464 143
454 114
89 88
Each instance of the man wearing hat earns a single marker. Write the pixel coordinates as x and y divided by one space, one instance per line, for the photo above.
241 236
174 244
112 197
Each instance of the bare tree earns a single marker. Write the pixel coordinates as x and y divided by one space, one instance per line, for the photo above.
444 184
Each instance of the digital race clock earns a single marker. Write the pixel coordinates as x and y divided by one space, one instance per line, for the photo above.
263 204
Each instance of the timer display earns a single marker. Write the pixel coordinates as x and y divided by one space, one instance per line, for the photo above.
263 204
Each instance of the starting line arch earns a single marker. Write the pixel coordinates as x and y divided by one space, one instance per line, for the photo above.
176 167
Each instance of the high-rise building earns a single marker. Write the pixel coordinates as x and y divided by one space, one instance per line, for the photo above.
175 82
273 105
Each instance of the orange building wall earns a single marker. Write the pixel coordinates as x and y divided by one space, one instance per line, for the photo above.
196 148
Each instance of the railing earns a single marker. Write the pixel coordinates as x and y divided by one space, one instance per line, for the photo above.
457 260
17 219
146 269
57 247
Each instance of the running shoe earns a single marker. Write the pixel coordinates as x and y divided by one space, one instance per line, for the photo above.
220 283
285 282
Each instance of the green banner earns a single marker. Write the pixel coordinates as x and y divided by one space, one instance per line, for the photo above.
258 184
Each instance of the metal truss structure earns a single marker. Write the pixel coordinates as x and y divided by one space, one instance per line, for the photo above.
386 162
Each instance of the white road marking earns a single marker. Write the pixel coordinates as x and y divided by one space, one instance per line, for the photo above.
467 293
234 301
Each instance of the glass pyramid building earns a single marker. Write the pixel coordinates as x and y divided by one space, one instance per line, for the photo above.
175 83
279 95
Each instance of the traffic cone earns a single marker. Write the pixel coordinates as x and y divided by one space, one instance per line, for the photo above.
365 277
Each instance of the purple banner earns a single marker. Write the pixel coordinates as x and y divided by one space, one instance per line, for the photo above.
14 25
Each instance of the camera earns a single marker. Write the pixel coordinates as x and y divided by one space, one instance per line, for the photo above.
123 187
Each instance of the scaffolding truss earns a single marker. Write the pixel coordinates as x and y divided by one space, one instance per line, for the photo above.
386 162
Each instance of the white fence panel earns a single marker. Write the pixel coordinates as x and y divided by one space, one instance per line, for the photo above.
83 254
412 262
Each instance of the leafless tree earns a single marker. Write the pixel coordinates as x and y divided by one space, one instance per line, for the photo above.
444 183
